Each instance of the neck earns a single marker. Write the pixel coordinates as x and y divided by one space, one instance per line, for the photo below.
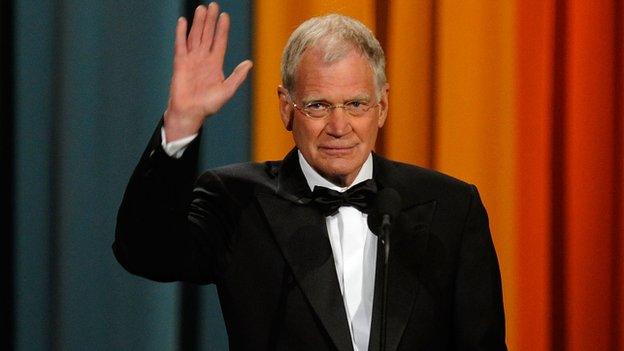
340 180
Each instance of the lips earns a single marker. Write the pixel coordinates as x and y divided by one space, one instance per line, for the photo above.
337 150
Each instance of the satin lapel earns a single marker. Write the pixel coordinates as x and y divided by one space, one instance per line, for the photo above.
301 233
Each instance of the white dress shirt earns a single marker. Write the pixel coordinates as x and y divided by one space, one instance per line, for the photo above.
175 148
355 254
353 245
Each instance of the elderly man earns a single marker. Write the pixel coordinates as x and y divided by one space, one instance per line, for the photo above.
292 272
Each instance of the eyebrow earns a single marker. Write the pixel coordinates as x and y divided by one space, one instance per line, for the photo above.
313 98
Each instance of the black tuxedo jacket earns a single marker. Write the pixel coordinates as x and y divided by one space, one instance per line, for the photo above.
249 229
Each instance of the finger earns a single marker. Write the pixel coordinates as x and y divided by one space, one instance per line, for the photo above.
209 25
194 38
237 77
220 41
180 37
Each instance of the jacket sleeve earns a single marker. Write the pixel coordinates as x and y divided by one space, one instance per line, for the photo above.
478 312
154 236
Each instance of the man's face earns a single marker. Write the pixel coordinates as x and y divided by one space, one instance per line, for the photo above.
337 145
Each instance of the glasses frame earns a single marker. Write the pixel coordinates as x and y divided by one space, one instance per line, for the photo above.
331 108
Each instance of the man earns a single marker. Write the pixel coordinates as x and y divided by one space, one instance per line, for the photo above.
291 272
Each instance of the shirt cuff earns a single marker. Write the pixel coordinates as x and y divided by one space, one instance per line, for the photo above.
176 148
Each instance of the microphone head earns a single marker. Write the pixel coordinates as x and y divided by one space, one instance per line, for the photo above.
387 203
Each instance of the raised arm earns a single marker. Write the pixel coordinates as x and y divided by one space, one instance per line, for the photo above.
198 86
154 237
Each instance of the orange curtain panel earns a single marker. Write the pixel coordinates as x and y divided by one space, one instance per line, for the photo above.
570 175
474 118
408 133
590 193
535 21
525 99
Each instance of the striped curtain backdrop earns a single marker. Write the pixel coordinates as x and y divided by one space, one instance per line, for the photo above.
523 99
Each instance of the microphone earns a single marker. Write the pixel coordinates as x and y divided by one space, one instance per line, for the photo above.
385 209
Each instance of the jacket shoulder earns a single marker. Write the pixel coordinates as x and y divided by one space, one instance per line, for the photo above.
426 182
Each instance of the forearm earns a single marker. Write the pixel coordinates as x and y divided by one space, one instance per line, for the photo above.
153 236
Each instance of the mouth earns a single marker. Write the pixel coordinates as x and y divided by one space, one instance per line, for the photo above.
337 150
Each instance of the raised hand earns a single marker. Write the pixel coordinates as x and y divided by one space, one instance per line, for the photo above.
198 86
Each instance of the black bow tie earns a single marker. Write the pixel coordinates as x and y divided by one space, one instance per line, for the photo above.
359 196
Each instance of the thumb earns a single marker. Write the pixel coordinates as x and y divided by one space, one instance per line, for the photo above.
237 77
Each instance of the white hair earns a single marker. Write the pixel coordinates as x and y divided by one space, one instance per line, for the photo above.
336 36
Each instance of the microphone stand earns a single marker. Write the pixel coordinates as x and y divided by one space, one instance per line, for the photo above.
385 239
388 206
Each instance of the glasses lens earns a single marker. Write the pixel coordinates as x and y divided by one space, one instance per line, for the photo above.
317 110
357 108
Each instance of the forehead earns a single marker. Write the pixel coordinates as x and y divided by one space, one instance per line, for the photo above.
348 76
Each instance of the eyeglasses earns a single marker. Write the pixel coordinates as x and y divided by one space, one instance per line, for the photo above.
316 109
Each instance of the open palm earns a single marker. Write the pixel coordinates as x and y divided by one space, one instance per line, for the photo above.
198 86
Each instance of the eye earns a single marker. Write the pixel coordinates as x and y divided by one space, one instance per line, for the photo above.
357 104
316 106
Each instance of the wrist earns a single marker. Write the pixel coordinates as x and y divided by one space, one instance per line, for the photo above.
177 127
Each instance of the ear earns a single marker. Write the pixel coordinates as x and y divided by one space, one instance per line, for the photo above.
383 105
285 107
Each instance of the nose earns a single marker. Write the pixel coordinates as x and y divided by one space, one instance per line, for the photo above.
338 123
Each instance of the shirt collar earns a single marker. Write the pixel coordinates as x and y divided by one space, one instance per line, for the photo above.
314 178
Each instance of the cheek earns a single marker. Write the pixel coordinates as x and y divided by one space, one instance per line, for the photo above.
304 133
370 132
308 131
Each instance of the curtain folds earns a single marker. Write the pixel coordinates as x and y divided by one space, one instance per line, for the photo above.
91 83
524 99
